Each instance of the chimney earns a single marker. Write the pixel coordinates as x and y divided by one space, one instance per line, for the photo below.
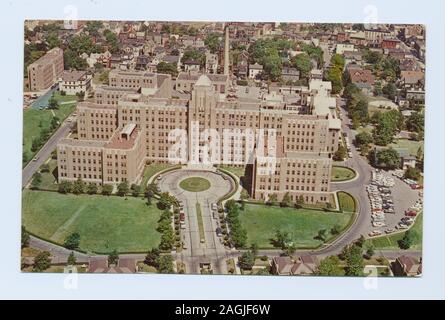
226 51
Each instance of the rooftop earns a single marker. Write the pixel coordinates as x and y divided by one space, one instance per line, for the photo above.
124 138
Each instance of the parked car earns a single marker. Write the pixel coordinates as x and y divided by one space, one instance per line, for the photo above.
410 213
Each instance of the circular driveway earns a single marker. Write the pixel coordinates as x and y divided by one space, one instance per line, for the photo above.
220 184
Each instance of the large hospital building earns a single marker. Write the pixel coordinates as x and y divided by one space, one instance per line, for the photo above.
287 137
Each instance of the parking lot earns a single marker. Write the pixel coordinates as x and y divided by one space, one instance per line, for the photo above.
394 204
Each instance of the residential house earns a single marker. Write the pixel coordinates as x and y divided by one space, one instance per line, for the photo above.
362 78
255 70
211 62
290 74
142 62
406 266
74 82
303 265
192 66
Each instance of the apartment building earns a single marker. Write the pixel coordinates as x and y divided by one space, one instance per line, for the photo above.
44 72
219 129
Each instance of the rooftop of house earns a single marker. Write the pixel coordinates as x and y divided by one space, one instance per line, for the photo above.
73 75
359 75
409 264
256 66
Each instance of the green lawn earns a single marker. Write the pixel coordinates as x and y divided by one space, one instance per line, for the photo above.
346 202
200 221
340 173
65 98
195 184
261 222
237 171
391 242
411 145
49 179
104 223
152 169
34 120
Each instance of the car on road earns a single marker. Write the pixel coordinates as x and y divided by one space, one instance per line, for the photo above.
159 177
182 216
214 206
215 215
184 246
218 232
401 226
35 159
389 230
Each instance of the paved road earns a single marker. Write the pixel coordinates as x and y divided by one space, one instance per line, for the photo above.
45 152
59 254
210 249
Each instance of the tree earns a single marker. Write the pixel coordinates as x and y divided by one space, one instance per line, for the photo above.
71 259
388 159
36 180
42 261
370 251
212 41
167 239
78 186
273 198
416 122
340 154
321 235
247 260
286 201
112 41
300 201
92 188
122 188
107 189
52 103
363 138
330 266
406 242
194 54
389 90
282 239
52 40
303 64
290 250
151 258
165 264
167 68
72 241
360 241
113 257
165 201
412 173
135 190
335 229
35 144
93 26
25 237
354 261
44 167
65 186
